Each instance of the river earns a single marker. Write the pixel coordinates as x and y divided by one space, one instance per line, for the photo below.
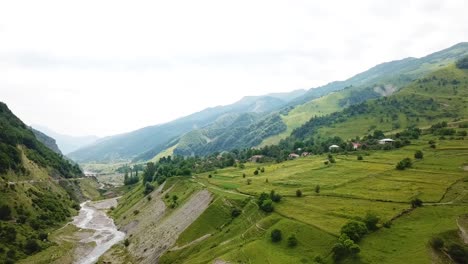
92 217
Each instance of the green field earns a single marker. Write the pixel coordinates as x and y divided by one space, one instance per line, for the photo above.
349 189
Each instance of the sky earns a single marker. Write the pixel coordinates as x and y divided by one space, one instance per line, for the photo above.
108 67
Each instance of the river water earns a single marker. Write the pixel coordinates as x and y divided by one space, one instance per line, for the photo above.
92 217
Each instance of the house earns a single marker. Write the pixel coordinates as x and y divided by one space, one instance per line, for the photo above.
356 145
333 147
305 154
256 158
293 156
386 141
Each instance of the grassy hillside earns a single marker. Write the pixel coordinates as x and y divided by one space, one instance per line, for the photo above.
38 192
349 189
381 80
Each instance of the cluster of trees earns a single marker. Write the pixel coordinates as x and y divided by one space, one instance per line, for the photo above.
351 233
462 63
404 164
265 201
458 252
276 236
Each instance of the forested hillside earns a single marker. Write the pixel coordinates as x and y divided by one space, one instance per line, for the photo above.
37 190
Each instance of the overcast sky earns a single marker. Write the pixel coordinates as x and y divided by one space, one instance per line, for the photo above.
107 67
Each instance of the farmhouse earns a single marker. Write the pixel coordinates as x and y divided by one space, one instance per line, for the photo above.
333 147
256 158
386 141
356 145
293 156
305 154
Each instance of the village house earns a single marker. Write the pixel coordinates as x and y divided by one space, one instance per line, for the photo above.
256 158
334 147
305 154
386 141
293 156
356 145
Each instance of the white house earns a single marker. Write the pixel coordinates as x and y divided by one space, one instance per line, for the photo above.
386 141
333 147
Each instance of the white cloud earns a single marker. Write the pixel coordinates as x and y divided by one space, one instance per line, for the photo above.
105 67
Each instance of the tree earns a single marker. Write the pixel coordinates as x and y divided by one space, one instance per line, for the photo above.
298 193
345 247
359 157
5 212
371 220
31 246
292 241
235 212
416 202
437 243
404 163
126 242
317 188
276 235
462 63
256 172
354 230
418 154
149 172
275 197
262 169
148 188
267 206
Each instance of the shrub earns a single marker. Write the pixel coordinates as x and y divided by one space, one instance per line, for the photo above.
354 230
298 193
416 202
5 212
31 246
359 157
256 172
136 212
148 188
43 236
235 212
462 63
275 197
371 220
126 242
267 206
243 175
276 235
292 241
458 253
418 154
403 164
209 176
262 169
317 188
345 247
437 243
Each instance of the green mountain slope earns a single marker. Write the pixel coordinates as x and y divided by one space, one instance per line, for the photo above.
37 193
441 95
156 138
381 80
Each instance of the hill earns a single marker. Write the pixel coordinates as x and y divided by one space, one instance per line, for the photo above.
38 192
154 139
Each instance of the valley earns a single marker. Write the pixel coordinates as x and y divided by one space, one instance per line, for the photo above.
372 169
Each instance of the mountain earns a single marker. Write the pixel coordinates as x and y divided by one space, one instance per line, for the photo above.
36 195
46 140
67 143
154 139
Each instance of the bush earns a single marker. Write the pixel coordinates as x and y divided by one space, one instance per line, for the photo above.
209 176
235 212
458 253
403 164
292 241
5 212
437 243
267 206
462 63
359 157
262 169
126 242
136 212
354 230
31 246
275 197
43 236
256 172
148 188
298 193
317 188
276 235
418 154
416 202
371 220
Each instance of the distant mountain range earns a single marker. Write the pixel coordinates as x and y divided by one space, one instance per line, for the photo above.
260 120
66 143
